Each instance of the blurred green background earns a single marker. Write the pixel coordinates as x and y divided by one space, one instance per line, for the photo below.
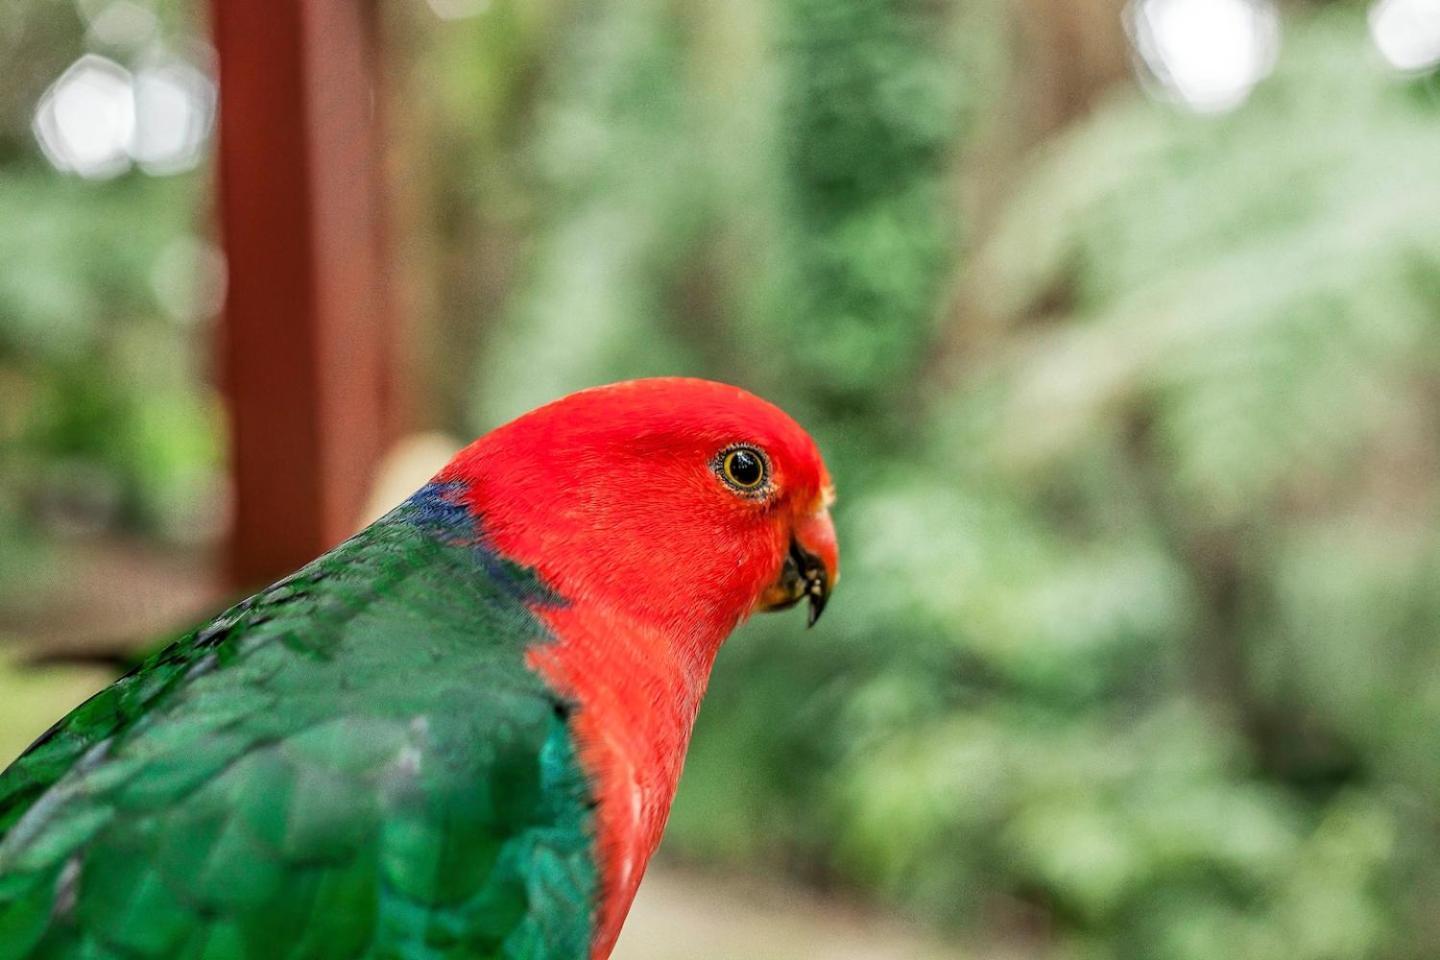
1118 327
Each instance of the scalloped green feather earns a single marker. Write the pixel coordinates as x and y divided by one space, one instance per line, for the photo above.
354 763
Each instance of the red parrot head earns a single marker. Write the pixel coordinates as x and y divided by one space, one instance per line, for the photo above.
661 513
685 503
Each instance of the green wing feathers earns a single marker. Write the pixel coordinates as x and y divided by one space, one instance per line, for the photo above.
355 763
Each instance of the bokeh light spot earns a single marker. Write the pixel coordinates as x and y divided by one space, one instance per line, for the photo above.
86 120
1208 54
98 118
174 109
1407 33
458 9
123 24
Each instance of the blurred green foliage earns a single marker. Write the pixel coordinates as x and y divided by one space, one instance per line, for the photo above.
105 418
1134 653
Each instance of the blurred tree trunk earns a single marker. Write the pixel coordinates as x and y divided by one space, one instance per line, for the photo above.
307 334
1070 52
1067 54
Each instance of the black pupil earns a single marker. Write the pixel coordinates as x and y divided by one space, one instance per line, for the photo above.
745 468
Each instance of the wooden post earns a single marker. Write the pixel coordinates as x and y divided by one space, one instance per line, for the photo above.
307 358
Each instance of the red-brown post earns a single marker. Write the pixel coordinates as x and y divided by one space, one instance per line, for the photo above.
307 333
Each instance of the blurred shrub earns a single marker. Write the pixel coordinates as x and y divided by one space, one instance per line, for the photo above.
1202 394
104 422
1133 656
755 190
105 290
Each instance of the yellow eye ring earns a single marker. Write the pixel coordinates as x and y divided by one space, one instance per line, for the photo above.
745 469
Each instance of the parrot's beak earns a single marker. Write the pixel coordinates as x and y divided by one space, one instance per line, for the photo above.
812 567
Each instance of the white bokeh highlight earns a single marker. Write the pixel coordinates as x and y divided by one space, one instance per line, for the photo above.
1206 54
122 24
98 119
85 122
1407 33
174 111
458 9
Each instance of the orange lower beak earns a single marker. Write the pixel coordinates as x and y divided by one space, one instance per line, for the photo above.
812 567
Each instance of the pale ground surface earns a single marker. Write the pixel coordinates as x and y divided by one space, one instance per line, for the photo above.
680 915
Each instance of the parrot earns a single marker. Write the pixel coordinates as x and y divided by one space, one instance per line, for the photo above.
456 735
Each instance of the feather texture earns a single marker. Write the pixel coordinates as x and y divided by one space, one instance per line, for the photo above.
354 763
456 736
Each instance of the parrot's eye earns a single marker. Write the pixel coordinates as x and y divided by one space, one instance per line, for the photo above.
744 468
